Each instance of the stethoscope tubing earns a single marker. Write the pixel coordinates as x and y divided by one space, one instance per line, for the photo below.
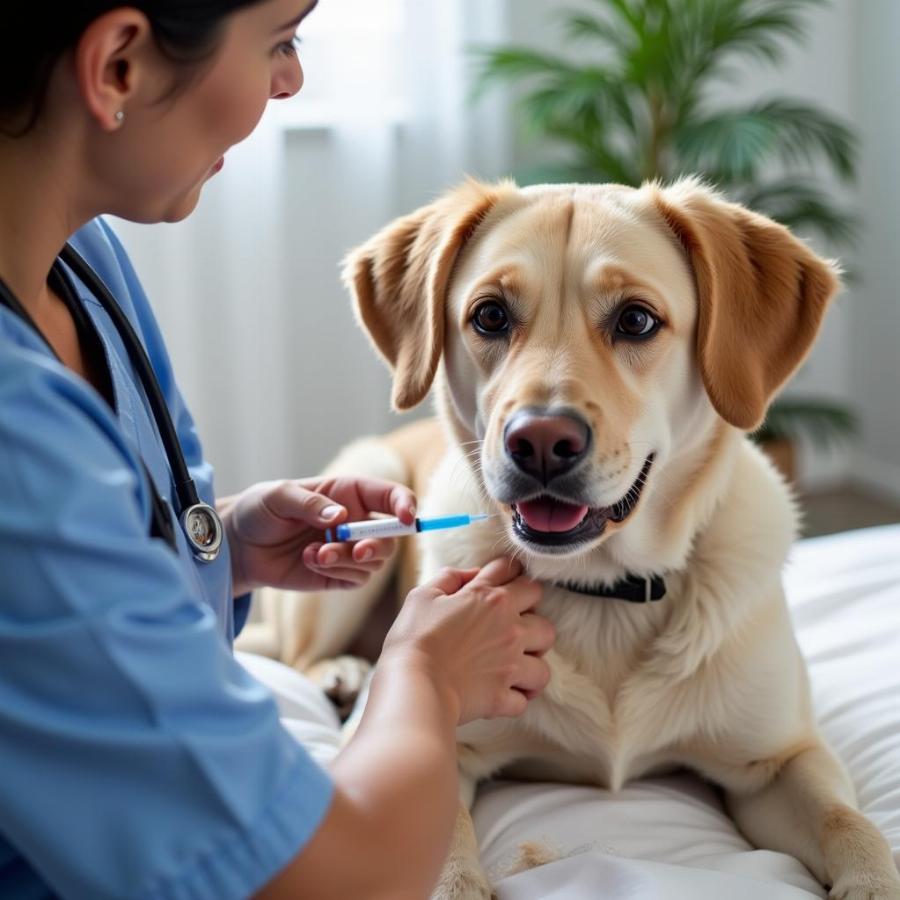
199 521
185 489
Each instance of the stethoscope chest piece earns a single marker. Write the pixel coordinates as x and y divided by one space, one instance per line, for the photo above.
203 529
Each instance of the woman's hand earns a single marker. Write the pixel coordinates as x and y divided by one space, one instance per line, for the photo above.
476 635
465 645
276 531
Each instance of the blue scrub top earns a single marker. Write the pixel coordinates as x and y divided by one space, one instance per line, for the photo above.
137 758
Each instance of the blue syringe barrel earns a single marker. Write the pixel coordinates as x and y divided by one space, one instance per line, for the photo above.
392 527
440 522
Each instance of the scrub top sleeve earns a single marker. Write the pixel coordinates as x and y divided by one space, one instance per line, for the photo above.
140 759
188 436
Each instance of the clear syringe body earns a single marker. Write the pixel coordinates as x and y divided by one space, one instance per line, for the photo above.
392 527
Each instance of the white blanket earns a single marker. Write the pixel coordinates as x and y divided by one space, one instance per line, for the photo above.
669 837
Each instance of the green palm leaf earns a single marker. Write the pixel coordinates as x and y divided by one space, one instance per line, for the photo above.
803 207
823 421
643 108
737 143
759 30
805 132
583 27
510 64
726 146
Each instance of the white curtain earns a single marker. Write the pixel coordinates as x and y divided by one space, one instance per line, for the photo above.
261 332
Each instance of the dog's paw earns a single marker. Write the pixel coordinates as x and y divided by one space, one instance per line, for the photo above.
463 882
887 892
869 886
464 887
341 679
858 858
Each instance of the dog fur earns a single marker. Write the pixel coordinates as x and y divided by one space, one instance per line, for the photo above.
710 677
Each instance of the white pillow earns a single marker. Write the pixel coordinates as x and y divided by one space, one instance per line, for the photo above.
844 593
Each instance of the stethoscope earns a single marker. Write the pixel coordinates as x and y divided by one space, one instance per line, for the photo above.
199 521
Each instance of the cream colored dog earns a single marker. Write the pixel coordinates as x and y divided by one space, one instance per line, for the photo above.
599 353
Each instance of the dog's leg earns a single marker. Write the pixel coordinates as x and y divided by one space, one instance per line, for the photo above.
342 679
809 811
462 877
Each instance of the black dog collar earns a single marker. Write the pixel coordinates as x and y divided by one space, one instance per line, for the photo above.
630 588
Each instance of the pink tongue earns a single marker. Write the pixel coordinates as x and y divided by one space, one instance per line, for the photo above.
545 514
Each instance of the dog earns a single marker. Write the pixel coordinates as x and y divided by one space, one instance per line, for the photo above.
599 354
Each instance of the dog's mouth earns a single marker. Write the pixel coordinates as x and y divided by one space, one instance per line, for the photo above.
549 522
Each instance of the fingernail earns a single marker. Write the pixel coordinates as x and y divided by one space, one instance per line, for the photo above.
329 559
367 555
331 512
412 510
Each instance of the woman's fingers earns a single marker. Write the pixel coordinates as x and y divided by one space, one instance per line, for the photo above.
506 573
354 577
369 557
323 504
540 635
387 497
498 572
370 550
532 677
365 496
449 581
293 501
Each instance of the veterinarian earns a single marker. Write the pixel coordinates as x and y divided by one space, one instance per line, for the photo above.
138 758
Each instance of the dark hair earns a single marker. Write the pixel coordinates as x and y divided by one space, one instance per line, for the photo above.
33 38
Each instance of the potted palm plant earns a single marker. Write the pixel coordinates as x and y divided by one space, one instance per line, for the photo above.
642 107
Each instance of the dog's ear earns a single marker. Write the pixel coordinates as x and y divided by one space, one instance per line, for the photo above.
762 295
399 278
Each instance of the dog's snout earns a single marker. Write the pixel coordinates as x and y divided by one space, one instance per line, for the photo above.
546 444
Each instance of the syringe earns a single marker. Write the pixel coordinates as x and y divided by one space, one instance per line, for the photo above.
384 528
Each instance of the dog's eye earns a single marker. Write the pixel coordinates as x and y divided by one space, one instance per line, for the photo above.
491 319
637 322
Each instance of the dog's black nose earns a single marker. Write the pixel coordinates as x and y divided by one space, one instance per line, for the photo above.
546 444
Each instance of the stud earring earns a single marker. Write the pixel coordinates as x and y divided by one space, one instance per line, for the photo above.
120 116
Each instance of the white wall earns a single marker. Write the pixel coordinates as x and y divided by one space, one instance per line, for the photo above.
874 326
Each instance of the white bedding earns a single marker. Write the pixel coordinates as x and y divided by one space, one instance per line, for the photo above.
668 837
